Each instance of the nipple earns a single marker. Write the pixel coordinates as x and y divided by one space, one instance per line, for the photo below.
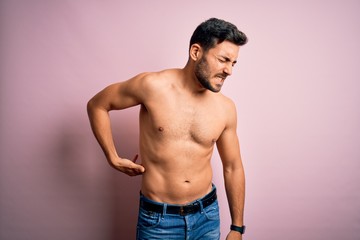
161 129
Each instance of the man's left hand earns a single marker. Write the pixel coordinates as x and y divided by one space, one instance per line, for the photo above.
233 235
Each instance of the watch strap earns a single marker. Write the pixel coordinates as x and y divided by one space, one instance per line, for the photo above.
238 229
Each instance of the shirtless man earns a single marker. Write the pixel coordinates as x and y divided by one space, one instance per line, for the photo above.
182 117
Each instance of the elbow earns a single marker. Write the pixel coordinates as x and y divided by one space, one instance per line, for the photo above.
94 105
236 167
90 106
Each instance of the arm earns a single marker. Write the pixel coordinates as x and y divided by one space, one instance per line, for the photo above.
114 97
234 177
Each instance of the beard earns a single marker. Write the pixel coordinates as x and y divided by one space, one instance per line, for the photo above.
202 73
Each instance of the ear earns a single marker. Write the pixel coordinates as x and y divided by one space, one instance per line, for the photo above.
195 52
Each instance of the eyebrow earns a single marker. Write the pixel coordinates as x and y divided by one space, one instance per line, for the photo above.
228 59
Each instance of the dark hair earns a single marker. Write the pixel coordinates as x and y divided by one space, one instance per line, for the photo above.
214 31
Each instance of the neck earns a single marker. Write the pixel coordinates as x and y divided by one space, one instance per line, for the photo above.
189 81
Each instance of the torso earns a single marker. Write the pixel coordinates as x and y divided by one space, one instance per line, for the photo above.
178 131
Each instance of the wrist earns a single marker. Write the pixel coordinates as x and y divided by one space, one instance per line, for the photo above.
113 159
240 229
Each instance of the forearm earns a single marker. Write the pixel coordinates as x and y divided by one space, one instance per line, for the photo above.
101 127
235 191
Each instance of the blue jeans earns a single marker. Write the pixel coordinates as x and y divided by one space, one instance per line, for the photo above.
203 224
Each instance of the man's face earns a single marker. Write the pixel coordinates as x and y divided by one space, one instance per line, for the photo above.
215 65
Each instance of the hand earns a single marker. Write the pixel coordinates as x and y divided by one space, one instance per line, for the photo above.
128 167
233 235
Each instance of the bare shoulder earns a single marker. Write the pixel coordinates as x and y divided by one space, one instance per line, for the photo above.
156 80
228 108
146 85
227 103
161 79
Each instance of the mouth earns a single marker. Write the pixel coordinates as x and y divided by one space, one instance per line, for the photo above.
221 79
221 76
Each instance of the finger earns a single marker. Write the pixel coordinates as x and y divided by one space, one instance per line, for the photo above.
136 171
135 158
139 168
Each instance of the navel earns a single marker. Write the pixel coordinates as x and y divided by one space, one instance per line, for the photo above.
187 181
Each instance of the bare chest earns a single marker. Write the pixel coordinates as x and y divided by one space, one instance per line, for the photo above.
178 119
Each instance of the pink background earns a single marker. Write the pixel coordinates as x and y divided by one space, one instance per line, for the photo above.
296 86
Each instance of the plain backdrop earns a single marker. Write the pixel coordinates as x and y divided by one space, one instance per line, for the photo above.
296 87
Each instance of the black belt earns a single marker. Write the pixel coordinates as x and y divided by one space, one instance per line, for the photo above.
180 209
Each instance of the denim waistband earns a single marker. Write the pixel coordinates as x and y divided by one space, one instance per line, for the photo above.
190 208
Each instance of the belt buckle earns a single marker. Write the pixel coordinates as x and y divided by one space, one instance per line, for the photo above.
182 211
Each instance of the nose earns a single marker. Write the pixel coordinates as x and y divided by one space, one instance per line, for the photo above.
228 69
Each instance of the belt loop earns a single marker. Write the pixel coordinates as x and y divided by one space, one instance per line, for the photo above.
164 210
201 206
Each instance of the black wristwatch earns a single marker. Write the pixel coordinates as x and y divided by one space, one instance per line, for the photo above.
238 229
